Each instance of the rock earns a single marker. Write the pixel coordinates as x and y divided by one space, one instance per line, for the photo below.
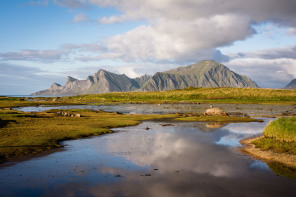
147 128
77 115
215 112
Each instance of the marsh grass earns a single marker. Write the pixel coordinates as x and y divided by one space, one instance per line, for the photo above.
279 136
225 95
282 129
188 95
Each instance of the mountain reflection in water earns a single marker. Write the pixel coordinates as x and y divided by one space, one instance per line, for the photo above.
179 159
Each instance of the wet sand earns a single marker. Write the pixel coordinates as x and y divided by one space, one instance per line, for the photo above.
284 158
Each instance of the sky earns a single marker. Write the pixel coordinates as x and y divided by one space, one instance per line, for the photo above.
44 41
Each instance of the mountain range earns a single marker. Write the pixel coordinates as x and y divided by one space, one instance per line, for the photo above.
291 85
207 73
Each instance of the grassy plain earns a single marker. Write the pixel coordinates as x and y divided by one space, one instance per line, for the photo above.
195 95
188 95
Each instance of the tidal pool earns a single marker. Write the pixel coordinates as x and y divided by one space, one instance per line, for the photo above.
155 158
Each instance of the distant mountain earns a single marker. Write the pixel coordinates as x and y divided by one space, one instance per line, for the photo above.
291 85
206 73
203 74
101 82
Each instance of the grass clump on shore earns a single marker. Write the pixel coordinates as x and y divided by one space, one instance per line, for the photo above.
279 136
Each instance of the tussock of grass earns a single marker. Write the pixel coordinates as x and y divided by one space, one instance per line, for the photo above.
282 129
275 145
279 136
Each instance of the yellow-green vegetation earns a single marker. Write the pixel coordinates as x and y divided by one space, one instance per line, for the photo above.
188 95
11 102
24 133
195 95
279 136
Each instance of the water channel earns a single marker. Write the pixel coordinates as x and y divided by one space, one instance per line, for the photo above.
169 159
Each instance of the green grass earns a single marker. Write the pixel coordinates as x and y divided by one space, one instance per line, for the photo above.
279 136
188 95
222 95
275 145
282 129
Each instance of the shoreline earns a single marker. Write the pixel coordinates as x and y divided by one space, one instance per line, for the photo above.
250 149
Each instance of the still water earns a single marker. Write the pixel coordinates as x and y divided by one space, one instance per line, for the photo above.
168 159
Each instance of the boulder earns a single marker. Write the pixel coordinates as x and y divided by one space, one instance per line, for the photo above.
215 112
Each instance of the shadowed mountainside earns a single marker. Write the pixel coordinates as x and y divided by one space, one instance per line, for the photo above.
291 85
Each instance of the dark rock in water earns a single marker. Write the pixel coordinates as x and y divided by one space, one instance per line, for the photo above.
203 74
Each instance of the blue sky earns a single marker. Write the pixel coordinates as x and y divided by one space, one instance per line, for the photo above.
44 41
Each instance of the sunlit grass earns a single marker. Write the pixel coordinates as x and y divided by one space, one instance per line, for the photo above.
279 136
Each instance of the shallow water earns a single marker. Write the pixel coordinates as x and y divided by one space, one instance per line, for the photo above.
176 159
252 109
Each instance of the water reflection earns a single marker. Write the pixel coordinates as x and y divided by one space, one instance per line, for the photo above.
173 160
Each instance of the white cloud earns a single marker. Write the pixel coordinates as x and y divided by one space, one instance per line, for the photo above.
80 18
275 73
34 55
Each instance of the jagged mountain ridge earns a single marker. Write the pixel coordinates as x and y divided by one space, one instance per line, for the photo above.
206 73
291 85
101 82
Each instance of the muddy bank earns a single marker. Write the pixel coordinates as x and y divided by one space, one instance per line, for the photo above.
284 158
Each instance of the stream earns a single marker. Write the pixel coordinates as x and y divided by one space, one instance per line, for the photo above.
168 159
